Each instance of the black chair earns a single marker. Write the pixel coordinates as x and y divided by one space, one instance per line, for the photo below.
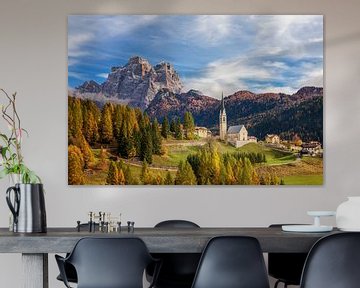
232 262
333 262
286 267
69 269
178 269
108 263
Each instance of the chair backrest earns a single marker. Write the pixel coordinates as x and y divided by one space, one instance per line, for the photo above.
110 262
232 262
286 266
333 262
176 224
177 267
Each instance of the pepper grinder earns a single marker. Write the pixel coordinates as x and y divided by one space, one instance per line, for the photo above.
90 221
78 226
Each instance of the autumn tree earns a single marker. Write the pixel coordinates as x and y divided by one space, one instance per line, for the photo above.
145 174
185 175
168 179
172 125
106 125
265 179
157 180
119 113
274 180
126 144
194 161
102 159
229 176
165 128
90 128
121 177
129 178
238 167
146 150
113 174
133 124
87 153
189 125
215 165
91 115
75 117
156 137
255 180
246 173
76 174
178 131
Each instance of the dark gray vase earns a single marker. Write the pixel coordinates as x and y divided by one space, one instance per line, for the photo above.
28 208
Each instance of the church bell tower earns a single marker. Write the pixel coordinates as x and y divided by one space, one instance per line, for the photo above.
222 119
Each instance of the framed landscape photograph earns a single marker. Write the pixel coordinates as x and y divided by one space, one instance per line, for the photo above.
195 100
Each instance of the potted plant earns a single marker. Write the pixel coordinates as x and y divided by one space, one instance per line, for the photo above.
25 197
11 159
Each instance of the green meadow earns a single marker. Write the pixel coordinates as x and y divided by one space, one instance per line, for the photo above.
293 171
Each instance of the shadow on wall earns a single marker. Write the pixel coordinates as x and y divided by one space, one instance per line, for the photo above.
344 39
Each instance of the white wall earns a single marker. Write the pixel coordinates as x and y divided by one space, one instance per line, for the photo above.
33 62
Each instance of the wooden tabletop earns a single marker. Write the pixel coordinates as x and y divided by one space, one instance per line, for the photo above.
158 240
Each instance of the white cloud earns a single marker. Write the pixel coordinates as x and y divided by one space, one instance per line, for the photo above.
211 28
276 65
103 75
275 45
313 76
227 76
77 75
272 89
76 42
83 29
119 25
292 35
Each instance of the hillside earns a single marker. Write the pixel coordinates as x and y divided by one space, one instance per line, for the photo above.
267 113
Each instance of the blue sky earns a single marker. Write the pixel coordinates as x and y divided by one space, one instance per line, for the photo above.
211 53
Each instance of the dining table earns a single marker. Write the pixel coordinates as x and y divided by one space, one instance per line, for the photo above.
35 247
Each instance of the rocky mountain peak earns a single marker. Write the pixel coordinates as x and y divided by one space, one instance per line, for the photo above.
137 82
165 73
89 87
309 91
242 94
194 92
137 60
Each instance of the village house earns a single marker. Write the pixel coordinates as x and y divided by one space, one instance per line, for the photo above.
272 139
312 148
238 136
202 132
237 133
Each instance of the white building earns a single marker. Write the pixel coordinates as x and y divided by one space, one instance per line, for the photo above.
235 135
202 132
238 136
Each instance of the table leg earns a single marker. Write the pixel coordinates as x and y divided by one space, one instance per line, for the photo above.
35 270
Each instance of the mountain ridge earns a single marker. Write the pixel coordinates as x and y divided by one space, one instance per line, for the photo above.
255 111
158 91
136 83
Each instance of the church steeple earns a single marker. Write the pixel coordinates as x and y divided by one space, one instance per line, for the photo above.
222 109
222 119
